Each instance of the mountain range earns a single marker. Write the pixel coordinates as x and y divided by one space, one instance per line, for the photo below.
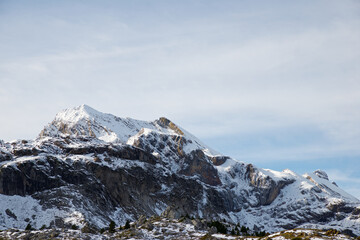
87 168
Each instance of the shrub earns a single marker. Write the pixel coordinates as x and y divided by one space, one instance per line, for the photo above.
74 227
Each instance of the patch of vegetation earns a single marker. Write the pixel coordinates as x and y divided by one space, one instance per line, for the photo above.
54 235
88 229
126 234
244 230
260 234
156 218
205 237
332 232
288 235
221 228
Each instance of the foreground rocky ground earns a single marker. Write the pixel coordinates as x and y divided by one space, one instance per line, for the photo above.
164 228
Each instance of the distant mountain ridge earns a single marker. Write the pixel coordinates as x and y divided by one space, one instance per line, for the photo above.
87 168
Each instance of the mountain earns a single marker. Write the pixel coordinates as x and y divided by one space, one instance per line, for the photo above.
87 168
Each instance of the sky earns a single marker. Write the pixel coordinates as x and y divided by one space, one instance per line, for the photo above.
273 83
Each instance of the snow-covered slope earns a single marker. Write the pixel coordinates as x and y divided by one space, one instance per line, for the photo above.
86 121
88 167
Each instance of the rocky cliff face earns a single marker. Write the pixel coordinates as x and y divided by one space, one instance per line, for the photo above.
88 168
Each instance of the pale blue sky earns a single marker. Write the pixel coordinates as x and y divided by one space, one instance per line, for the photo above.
275 83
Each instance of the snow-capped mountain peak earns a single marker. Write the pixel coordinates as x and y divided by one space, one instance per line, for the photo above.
73 115
88 122
84 121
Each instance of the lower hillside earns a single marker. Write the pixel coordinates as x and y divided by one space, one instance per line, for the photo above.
167 228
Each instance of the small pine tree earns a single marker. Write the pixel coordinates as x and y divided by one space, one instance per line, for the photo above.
112 226
127 225
237 230
28 227
43 227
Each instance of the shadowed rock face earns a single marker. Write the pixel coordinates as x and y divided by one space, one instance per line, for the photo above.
198 164
139 190
266 188
219 160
